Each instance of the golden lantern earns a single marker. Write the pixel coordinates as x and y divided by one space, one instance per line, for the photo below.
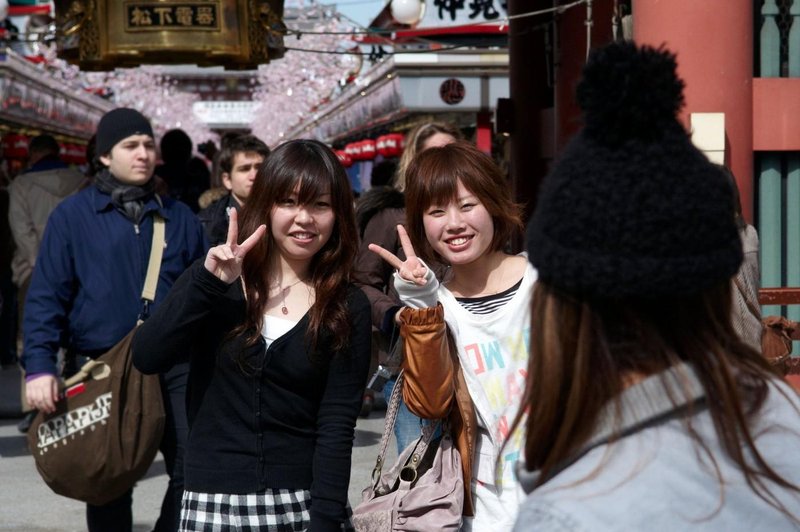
105 34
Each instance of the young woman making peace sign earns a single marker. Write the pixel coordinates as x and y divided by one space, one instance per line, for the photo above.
459 212
279 343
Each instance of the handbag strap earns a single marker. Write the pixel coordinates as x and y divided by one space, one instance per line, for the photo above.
153 266
754 310
428 431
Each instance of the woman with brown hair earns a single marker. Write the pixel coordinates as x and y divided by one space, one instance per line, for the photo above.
645 409
378 212
460 213
279 344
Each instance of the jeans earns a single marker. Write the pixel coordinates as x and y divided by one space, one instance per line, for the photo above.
173 444
407 426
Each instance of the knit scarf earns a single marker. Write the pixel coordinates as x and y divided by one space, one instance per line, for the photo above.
128 199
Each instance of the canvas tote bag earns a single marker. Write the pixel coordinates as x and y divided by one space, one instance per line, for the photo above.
107 427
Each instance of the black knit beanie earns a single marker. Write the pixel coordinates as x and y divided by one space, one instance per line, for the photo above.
632 208
119 124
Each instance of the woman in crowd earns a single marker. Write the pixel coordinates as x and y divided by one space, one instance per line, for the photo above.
460 213
279 344
379 211
645 409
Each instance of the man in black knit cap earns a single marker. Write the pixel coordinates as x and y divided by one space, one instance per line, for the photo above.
85 292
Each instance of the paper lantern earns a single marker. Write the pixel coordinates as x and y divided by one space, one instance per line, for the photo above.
407 11
367 150
15 146
344 158
393 145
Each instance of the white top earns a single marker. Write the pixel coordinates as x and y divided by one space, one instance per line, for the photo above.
493 352
275 327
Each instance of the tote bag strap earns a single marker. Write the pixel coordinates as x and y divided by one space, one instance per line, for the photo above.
154 266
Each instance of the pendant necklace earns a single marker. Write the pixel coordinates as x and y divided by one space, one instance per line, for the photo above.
284 291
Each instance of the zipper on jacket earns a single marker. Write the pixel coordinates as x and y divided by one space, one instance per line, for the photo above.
136 228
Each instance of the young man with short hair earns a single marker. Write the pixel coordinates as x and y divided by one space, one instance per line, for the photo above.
85 292
239 161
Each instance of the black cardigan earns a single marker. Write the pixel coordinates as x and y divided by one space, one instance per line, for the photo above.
287 423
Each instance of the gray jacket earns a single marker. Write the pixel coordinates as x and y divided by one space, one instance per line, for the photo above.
656 478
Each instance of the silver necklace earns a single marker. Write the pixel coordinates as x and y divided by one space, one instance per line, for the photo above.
284 291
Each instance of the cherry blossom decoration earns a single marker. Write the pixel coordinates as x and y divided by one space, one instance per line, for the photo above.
290 89
148 90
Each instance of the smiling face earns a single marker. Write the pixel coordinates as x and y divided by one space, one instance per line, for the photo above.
460 231
132 160
243 172
300 230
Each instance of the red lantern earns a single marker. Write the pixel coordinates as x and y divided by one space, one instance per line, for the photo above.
368 149
393 145
15 146
356 151
380 145
344 158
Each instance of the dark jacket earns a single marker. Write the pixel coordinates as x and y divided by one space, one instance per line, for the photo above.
214 219
86 288
434 381
260 418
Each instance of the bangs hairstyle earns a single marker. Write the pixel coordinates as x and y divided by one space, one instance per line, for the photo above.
318 171
433 180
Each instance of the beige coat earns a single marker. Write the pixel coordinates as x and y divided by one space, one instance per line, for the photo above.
32 197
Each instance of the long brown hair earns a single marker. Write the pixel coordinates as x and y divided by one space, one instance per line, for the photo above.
318 171
433 179
584 351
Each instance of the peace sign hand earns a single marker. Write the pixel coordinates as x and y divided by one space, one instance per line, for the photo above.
412 269
225 260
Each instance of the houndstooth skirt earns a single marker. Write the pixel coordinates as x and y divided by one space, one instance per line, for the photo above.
275 510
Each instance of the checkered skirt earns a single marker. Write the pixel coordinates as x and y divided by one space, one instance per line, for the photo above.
274 510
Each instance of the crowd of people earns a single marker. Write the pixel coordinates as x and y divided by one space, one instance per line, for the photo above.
605 378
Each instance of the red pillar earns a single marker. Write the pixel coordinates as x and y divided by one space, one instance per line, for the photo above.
570 58
484 132
713 40
530 94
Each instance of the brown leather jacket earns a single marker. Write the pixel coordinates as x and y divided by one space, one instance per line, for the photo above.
434 380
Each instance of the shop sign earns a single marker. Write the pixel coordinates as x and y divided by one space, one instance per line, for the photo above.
452 91
157 16
457 12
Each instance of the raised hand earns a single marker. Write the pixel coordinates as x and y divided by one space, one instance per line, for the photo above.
412 269
225 260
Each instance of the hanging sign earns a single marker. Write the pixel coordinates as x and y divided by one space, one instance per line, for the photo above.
106 34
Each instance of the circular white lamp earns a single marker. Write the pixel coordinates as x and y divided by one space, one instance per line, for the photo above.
407 11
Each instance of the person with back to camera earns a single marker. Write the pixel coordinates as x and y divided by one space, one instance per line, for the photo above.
280 346
87 282
238 161
32 196
645 409
745 310
378 213
460 212
185 175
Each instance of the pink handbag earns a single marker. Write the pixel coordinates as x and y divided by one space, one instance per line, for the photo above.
424 489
